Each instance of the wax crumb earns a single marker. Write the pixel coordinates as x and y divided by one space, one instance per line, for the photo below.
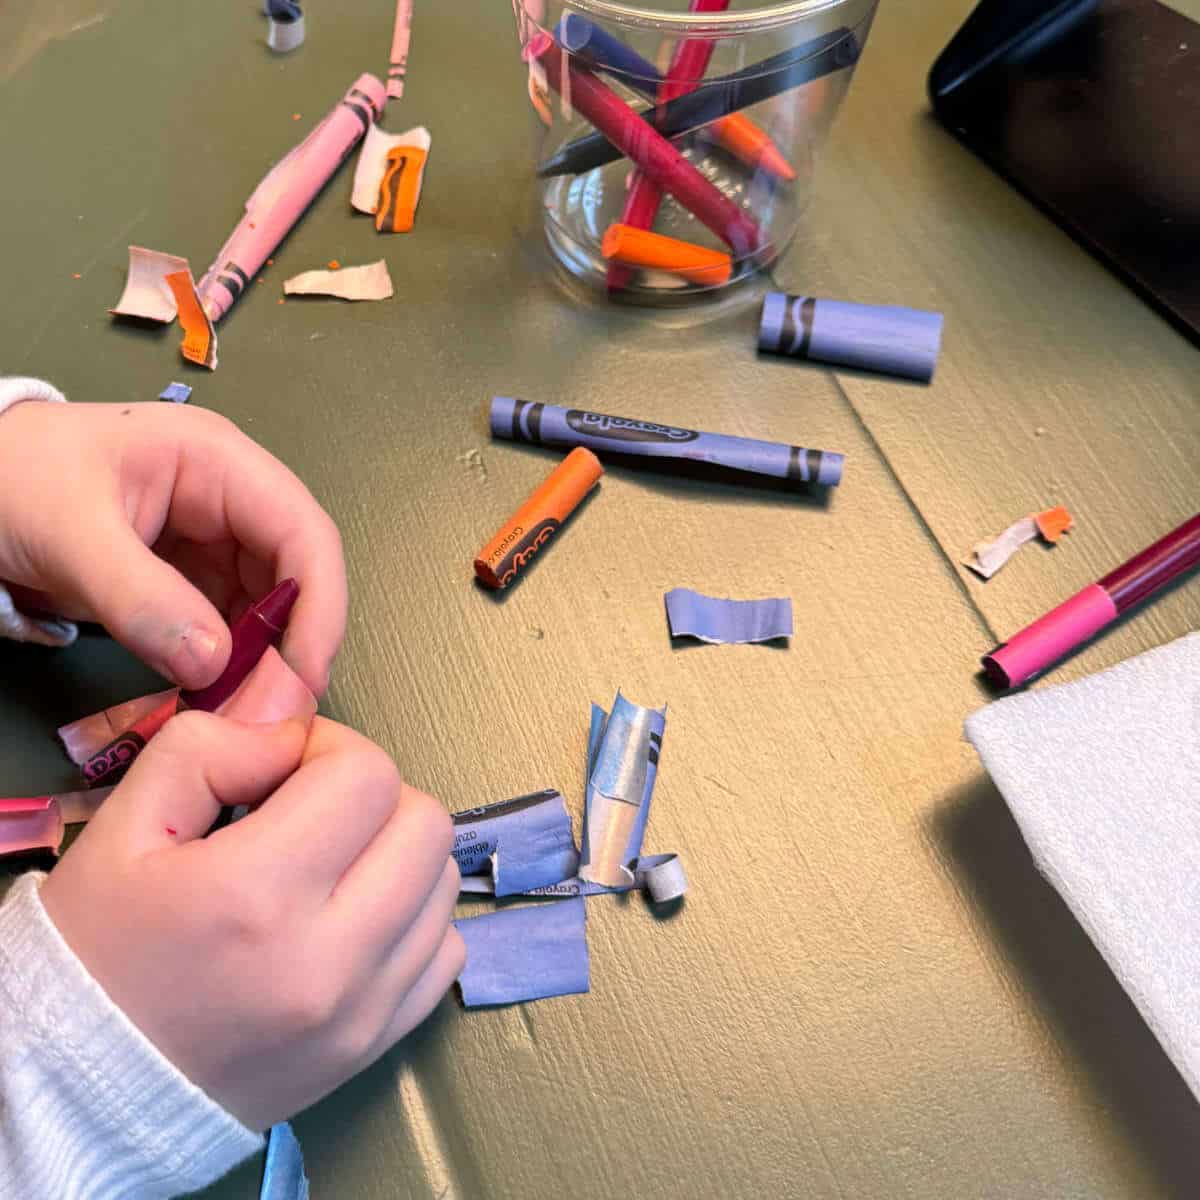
295 116
259 279
280 299
333 264
270 262
252 225
77 276
172 832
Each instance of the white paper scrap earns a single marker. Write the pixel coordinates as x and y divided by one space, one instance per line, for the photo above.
147 294
369 282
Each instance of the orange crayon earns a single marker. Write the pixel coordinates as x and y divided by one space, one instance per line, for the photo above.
640 248
743 139
538 519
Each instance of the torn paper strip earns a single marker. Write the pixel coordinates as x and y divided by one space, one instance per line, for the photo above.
370 282
147 294
285 28
401 36
373 162
199 339
988 557
83 738
710 619
516 845
525 953
283 1170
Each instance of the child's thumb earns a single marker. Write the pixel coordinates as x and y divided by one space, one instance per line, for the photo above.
197 764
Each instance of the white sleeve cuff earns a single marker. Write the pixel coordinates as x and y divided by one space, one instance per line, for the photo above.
89 1108
17 388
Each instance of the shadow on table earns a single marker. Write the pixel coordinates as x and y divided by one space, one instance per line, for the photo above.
1083 1003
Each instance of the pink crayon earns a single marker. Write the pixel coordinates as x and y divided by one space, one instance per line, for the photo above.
286 191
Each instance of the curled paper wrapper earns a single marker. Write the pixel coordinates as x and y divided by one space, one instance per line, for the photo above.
83 738
285 29
988 557
403 157
527 953
41 631
370 282
283 1171
147 293
199 338
709 619
516 845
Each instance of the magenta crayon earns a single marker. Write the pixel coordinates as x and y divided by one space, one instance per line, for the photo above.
1065 628
257 628
649 150
286 191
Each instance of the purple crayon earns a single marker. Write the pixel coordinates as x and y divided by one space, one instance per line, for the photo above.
895 341
549 425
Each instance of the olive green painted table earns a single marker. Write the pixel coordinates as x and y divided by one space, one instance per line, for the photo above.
869 991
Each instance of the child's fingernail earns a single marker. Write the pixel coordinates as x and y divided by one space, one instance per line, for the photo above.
194 650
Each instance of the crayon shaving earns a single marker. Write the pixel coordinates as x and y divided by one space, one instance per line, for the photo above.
147 294
370 282
373 166
523 535
988 557
199 339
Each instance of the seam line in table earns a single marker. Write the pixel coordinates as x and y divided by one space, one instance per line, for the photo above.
947 562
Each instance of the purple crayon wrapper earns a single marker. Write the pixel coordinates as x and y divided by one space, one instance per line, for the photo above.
894 341
550 425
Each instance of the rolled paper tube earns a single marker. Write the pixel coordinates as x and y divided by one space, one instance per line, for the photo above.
642 248
538 519
895 341
649 150
550 425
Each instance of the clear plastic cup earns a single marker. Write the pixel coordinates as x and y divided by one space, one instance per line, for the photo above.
749 144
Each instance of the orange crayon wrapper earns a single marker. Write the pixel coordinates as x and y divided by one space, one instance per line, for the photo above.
538 519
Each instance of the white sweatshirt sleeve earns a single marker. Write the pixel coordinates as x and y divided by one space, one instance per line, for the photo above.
89 1108
13 624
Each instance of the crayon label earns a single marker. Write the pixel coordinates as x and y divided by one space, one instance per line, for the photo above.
518 557
622 430
109 764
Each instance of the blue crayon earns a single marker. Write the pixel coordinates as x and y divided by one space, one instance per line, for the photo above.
578 35
895 341
549 425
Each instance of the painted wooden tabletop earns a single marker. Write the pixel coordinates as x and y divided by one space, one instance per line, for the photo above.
869 991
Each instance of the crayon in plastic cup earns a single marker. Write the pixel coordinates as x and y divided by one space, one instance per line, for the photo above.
528 530
703 126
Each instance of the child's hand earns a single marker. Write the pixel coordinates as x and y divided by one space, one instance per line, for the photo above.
278 957
159 521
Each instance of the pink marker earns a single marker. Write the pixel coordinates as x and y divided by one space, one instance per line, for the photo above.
32 823
286 191
1063 629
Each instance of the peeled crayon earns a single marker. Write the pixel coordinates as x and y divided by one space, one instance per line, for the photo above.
549 425
895 341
